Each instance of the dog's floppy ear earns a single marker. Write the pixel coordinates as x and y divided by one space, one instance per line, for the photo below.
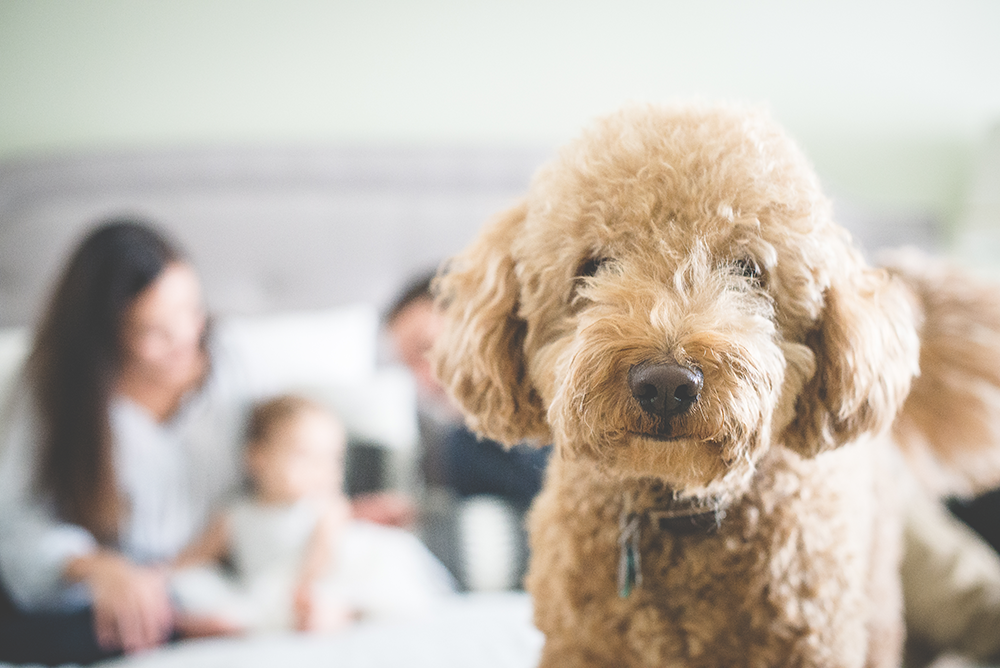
867 352
479 357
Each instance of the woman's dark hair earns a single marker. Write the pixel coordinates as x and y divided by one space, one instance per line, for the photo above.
74 364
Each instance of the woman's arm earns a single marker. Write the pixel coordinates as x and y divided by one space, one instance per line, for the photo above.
210 547
48 564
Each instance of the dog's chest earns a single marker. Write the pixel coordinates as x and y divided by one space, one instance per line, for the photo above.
786 568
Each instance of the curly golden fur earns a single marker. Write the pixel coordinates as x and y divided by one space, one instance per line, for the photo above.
697 237
950 423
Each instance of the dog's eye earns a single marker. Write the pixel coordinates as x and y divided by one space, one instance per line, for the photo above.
587 269
748 268
590 266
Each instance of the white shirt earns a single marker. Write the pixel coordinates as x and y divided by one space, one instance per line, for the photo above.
171 474
378 571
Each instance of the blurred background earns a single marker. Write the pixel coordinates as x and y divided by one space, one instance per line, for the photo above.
313 156
310 153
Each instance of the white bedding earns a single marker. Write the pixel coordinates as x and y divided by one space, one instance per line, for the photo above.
465 631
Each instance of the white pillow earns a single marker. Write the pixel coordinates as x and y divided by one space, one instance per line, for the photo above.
382 407
305 349
330 355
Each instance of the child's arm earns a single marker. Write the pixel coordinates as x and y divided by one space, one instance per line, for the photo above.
319 554
312 613
211 546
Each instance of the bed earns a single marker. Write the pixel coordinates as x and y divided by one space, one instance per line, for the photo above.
300 250
331 355
488 630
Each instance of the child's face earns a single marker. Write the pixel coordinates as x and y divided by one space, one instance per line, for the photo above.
301 457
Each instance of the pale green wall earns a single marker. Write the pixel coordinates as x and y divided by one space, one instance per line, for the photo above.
889 98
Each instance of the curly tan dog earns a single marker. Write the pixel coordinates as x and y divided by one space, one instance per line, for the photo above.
673 306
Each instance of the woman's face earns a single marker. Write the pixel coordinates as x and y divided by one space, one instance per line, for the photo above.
163 328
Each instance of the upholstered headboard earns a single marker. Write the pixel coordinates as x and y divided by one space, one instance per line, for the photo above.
270 229
277 229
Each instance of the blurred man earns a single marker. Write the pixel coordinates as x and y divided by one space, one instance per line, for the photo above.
454 458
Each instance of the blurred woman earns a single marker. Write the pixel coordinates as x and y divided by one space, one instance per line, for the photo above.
125 431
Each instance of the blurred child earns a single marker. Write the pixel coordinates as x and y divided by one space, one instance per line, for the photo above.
299 560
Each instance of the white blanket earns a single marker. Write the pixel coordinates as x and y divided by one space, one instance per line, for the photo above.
464 631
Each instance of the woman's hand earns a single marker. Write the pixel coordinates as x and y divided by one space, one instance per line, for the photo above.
131 604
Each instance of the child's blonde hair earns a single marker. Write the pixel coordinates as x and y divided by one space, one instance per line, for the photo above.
265 416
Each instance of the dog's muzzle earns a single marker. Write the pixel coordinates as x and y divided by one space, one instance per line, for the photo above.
665 389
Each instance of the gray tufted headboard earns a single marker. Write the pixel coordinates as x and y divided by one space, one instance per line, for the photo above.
268 228
286 228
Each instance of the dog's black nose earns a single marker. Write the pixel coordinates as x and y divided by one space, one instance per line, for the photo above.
665 389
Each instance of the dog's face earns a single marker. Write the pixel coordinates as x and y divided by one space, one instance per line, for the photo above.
669 300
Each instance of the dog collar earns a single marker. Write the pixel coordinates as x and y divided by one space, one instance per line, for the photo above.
679 518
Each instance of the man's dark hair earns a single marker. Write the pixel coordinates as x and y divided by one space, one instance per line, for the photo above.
418 288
